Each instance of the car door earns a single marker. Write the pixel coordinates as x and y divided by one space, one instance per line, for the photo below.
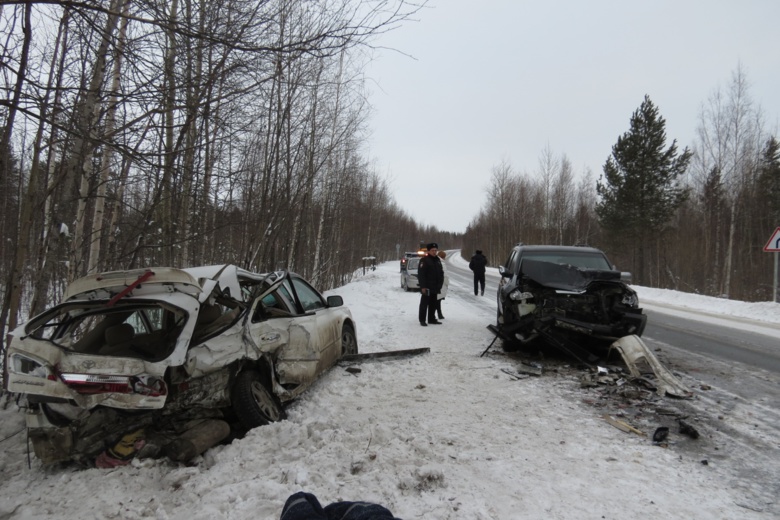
325 322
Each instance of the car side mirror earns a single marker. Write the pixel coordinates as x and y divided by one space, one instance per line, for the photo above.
335 301
504 272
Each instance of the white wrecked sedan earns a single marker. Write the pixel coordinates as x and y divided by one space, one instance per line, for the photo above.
170 361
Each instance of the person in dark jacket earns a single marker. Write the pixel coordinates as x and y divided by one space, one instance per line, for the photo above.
305 506
430 276
477 264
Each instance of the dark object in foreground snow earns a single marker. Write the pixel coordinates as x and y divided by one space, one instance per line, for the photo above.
305 506
687 429
660 434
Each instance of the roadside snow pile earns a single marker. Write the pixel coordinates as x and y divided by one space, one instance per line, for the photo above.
768 312
443 435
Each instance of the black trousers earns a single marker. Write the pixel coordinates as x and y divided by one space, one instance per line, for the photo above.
427 306
479 280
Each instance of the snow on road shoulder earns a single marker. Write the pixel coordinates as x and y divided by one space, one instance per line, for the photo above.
761 317
444 435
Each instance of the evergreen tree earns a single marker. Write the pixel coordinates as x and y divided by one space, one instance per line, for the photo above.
769 181
639 190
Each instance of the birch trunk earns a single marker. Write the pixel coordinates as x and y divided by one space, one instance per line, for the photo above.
80 162
98 212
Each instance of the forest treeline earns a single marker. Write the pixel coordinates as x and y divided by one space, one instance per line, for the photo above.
694 219
189 132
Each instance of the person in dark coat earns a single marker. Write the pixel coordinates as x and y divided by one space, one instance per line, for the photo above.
430 276
478 264
305 506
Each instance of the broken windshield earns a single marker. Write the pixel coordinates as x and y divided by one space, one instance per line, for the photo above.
583 259
565 277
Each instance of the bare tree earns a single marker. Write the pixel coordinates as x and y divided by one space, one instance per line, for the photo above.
12 297
729 137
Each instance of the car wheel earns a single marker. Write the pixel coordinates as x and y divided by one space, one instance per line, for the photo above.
253 403
349 344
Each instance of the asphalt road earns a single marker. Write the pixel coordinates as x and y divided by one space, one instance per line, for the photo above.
726 341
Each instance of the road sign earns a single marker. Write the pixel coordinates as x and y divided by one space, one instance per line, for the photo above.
773 246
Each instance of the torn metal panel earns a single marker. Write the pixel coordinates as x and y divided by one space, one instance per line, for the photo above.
634 350
209 391
218 351
298 359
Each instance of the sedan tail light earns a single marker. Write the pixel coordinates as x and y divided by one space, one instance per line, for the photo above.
101 384
95 384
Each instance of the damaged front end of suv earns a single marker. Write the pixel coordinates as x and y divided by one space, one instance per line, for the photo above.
569 297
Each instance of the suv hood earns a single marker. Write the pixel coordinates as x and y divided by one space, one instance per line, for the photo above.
566 277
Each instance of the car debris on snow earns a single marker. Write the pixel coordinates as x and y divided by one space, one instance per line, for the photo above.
622 425
386 354
660 434
687 429
634 350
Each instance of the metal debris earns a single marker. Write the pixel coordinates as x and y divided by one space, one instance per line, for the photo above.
622 425
634 350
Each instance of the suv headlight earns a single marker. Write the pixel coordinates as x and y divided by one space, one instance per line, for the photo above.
630 300
520 296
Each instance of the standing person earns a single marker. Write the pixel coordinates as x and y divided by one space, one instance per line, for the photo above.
478 264
443 292
430 275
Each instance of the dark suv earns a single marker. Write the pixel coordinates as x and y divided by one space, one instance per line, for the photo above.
569 296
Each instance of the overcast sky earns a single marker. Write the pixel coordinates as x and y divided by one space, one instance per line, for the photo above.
495 80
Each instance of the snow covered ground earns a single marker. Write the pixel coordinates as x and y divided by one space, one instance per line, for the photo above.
443 435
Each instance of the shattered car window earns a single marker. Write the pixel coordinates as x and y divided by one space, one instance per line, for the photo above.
116 331
271 305
309 298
